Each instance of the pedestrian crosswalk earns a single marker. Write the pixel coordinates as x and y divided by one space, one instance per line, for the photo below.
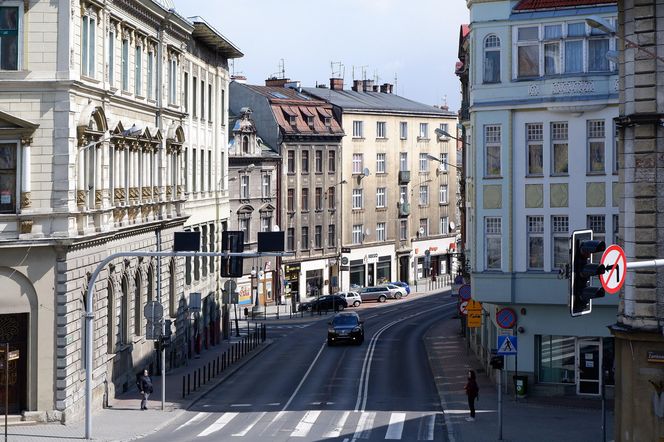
316 425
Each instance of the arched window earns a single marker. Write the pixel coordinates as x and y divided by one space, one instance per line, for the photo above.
123 333
245 144
138 305
491 59
110 318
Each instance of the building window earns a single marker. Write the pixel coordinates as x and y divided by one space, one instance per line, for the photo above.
138 71
150 72
596 144
381 197
305 200
424 162
202 100
534 138
444 163
424 131
319 198
444 225
305 161
358 129
357 234
266 221
535 242
8 162
185 92
291 161
492 59
194 97
172 80
424 195
597 223
492 146
358 163
598 46
290 238
380 163
556 359
304 238
310 121
381 129
331 161
318 237
244 187
424 227
223 107
403 194
403 230
88 42
10 38
266 188
331 235
331 198
616 230
552 37
403 130
616 139
528 52
290 200
111 58
560 240
209 109
443 194
559 148
403 161
380 232
318 164
125 65
493 235
357 198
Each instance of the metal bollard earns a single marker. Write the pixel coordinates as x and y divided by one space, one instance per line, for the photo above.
183 385
188 382
209 371
194 380
204 378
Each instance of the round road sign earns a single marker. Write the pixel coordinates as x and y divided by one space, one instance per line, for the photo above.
615 261
463 307
506 317
464 292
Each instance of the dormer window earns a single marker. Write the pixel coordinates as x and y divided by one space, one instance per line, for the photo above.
310 121
328 121
293 120
245 144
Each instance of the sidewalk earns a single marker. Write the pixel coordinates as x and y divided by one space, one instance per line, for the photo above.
541 420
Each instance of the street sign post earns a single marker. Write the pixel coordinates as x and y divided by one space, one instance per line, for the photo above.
615 262
464 292
474 314
506 318
463 308
507 345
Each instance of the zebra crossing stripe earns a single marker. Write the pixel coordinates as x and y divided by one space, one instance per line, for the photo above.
197 418
395 427
251 425
305 424
363 429
218 424
338 428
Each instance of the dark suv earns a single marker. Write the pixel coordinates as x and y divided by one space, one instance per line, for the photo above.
324 303
345 327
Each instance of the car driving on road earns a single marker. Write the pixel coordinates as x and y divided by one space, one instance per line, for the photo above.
345 327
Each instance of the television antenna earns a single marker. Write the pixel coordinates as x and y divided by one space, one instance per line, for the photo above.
281 72
338 69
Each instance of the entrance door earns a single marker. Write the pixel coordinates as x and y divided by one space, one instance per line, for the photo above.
403 269
14 330
589 365
371 281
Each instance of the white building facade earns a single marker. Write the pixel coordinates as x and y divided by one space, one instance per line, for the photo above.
541 163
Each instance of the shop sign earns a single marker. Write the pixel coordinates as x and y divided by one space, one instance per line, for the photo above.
656 356
372 258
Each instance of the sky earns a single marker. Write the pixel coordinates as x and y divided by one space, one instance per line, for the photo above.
415 40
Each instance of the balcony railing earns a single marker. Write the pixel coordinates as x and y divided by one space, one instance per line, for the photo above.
404 176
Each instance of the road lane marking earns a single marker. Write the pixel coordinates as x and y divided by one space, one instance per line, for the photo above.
363 429
304 378
240 405
306 423
395 427
218 424
251 425
338 427
197 418
427 427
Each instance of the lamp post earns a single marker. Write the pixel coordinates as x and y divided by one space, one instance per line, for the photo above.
604 25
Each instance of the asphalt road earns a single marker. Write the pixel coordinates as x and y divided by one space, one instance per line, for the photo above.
301 389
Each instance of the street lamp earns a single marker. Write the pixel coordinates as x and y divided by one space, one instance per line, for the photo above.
604 25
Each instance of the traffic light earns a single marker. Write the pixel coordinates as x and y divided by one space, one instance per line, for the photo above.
232 241
581 293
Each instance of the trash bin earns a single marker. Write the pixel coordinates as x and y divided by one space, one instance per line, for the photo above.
521 385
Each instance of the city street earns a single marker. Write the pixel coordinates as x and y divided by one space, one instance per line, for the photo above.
302 388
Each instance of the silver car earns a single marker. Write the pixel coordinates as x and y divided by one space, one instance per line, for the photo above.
352 298
396 291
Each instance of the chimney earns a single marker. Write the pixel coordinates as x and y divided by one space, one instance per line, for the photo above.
386 88
293 85
276 82
337 84
376 88
239 79
358 86
368 85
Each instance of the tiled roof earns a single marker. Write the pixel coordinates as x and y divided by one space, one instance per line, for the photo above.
530 5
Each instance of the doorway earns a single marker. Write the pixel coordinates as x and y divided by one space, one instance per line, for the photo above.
14 330
589 364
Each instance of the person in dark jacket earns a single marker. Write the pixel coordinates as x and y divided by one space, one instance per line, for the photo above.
472 391
145 386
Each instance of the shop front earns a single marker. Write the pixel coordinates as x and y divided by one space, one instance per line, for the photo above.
430 257
370 266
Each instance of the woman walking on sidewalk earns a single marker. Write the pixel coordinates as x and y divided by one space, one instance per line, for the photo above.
472 391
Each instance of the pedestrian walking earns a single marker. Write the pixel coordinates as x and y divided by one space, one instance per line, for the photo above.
472 391
144 384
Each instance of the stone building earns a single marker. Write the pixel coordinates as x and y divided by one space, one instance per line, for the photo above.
92 162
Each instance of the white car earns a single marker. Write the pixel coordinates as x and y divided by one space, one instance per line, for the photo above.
396 291
352 298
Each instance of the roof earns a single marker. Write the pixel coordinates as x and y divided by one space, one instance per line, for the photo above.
206 33
350 100
530 5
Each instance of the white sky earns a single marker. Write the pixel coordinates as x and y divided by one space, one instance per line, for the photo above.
415 39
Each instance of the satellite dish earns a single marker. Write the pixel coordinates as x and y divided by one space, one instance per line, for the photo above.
275 228
452 225
366 172
367 231
421 230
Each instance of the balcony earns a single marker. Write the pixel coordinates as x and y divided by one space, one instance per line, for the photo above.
404 176
404 209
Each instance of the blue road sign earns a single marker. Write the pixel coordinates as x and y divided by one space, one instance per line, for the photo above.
464 292
507 345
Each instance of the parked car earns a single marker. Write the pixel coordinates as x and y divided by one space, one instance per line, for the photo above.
396 291
378 293
352 298
402 284
327 302
345 327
